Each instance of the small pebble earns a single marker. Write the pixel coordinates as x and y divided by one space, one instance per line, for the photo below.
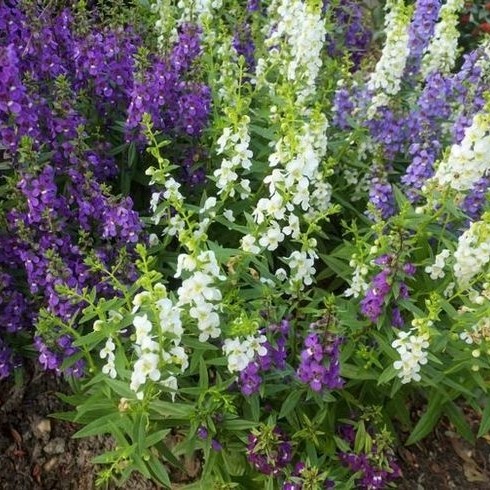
50 464
41 428
55 446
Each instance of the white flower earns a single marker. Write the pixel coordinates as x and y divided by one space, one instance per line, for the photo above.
139 299
301 267
228 214
225 175
110 369
386 78
170 321
247 244
176 224
210 203
272 238
440 55
358 284
473 252
467 161
98 324
145 367
171 383
411 348
255 344
185 263
209 264
180 357
155 198
142 327
436 270
108 349
223 140
195 288
207 320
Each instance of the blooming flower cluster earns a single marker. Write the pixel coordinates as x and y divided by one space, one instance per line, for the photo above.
320 362
386 79
269 450
373 475
300 31
63 86
199 293
234 143
355 36
241 353
269 355
467 162
472 253
292 217
411 347
436 270
421 31
440 54
157 346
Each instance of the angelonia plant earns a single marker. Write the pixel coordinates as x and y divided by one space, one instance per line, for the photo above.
309 258
72 98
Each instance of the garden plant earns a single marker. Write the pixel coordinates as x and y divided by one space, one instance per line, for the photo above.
252 233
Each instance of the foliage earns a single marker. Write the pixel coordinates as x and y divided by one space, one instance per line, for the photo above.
323 269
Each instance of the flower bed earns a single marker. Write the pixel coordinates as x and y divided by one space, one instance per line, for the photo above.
244 226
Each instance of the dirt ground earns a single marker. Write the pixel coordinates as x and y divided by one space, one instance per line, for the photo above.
37 453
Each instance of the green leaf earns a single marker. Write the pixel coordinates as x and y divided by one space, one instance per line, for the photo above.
457 418
387 375
341 444
254 406
171 410
93 404
156 437
428 420
196 344
203 374
90 340
98 426
238 424
350 371
68 416
338 266
120 387
140 465
159 471
168 455
108 457
290 402
360 440
485 421
139 432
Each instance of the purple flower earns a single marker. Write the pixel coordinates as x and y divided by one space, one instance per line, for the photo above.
320 365
373 302
250 380
244 45
202 432
216 445
253 5
396 318
269 451
381 196
421 30
354 34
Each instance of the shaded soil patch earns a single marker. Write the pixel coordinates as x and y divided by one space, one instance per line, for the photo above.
38 453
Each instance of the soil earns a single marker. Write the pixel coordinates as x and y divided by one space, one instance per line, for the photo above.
38 452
